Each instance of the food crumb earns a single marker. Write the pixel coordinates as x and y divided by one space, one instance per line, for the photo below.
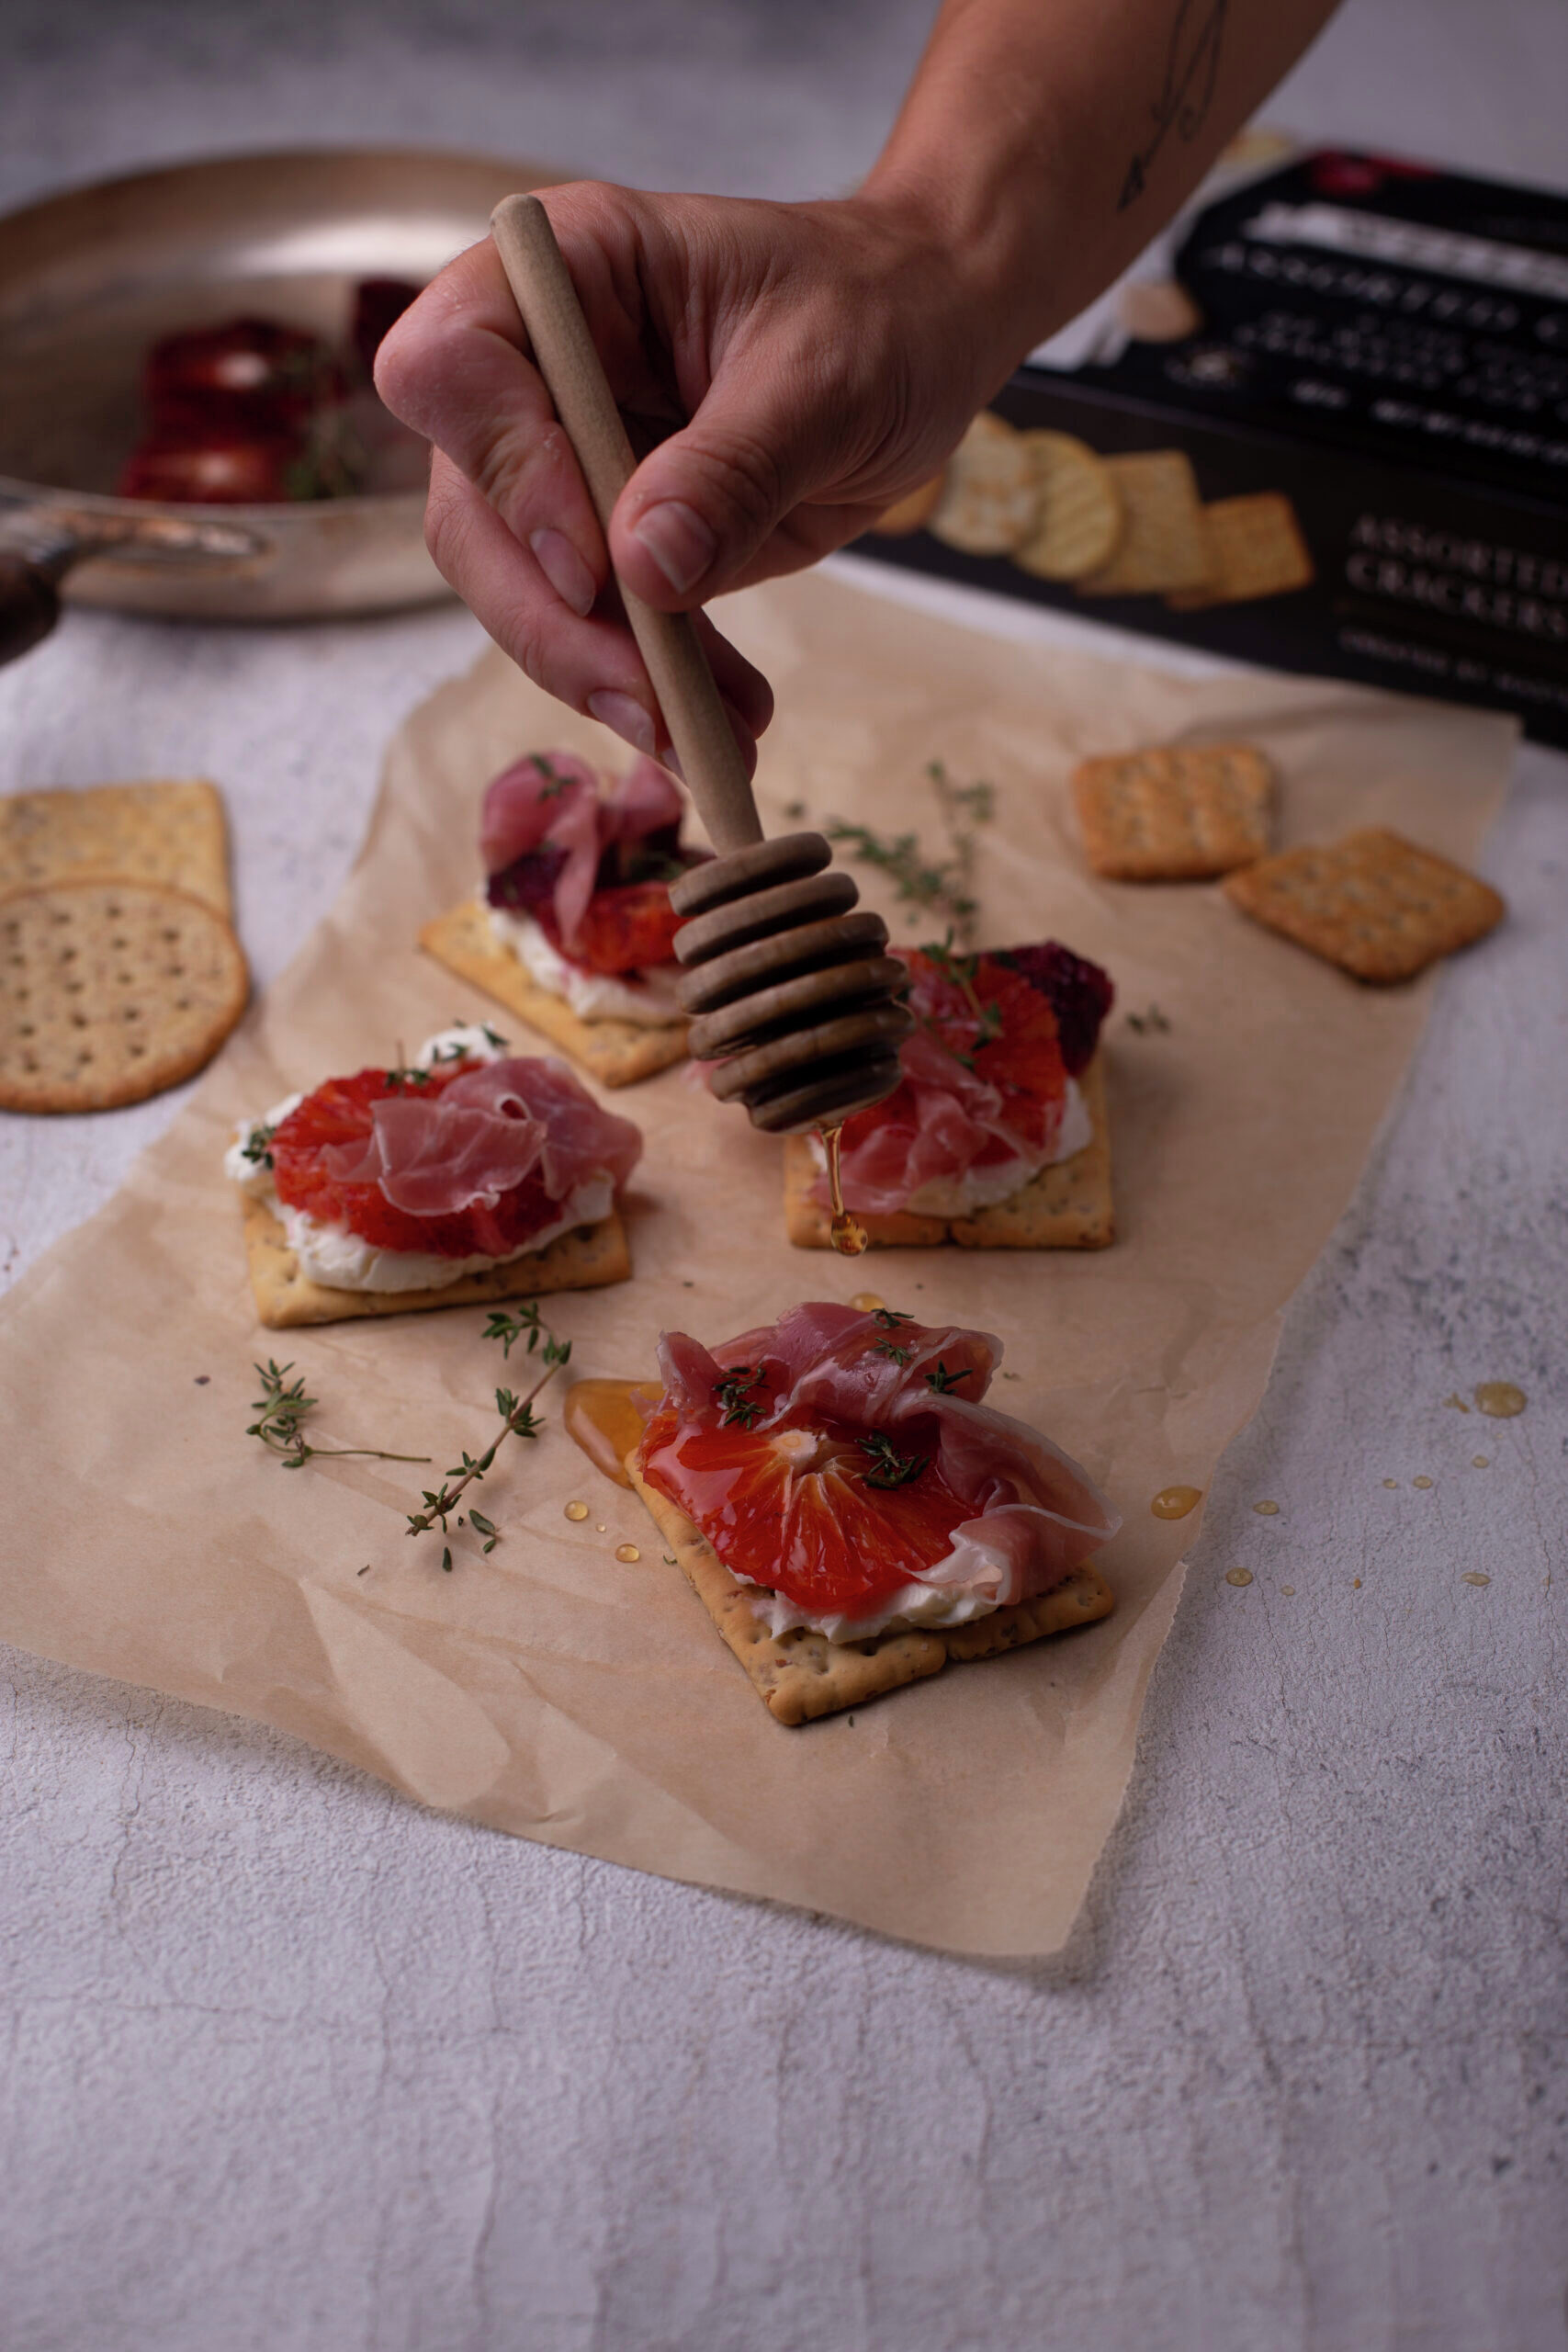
1238 1575
1420 1482
203 1380
1475 1575
1266 1510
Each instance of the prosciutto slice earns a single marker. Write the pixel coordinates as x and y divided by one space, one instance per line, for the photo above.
781 1443
484 1133
552 802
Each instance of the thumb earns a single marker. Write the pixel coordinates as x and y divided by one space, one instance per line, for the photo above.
700 505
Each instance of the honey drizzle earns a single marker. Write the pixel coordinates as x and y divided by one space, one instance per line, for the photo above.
849 1237
604 1420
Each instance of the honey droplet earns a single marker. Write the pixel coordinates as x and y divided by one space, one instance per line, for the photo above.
1481 1461
604 1419
628 1551
1289 1591
849 1237
1266 1510
1355 1583
577 1510
1175 1502
1475 1575
1238 1575
1420 1482
599 1529
867 1301
1390 1482
1500 1398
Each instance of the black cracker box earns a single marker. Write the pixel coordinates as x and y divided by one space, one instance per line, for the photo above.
1363 445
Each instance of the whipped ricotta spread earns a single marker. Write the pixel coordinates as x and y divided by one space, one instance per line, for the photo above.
650 999
330 1253
924 1608
982 1188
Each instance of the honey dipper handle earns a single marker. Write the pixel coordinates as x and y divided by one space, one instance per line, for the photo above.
563 348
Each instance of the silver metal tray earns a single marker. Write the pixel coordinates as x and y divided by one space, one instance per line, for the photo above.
89 279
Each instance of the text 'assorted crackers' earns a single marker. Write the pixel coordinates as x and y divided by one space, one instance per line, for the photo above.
1180 813
1162 546
1373 903
110 992
1078 515
1255 548
168 833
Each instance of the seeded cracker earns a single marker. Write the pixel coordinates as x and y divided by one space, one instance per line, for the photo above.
1065 1207
1174 814
584 1259
614 1052
1255 548
168 833
1162 546
989 497
802 1675
1077 519
110 992
1373 903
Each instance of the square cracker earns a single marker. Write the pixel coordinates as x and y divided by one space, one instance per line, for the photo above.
614 1052
1174 815
1162 546
171 834
1255 548
1065 1207
802 1675
1373 903
587 1257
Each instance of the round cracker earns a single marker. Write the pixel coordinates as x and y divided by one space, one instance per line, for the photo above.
1077 509
908 513
110 992
988 495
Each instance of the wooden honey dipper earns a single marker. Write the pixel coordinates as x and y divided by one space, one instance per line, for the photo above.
793 995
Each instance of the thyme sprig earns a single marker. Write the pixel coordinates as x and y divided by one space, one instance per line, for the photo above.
961 970
893 1468
1149 1024
896 1354
257 1145
283 1407
518 1418
945 1382
890 1317
943 885
741 1407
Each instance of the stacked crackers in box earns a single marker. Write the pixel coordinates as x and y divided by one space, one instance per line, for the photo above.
119 970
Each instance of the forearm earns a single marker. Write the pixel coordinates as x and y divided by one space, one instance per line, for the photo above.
1044 142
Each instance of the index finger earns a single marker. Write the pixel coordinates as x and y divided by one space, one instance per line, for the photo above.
453 367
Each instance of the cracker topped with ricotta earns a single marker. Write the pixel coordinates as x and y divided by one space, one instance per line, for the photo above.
469 1174
571 927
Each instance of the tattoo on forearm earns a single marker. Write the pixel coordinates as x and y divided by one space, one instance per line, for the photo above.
1192 69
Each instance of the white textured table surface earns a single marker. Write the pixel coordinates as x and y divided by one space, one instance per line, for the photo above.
288 2063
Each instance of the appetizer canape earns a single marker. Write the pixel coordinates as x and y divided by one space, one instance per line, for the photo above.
573 928
996 1136
469 1174
852 1514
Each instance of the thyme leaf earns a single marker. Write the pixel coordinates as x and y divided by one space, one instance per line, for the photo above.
945 1382
741 1409
256 1148
892 1468
890 1317
517 1419
896 1355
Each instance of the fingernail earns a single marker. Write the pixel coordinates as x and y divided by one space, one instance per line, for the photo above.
565 570
679 541
624 718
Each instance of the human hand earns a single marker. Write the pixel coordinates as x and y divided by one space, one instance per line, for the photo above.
828 355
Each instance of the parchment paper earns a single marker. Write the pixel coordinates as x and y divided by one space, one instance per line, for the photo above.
552 1689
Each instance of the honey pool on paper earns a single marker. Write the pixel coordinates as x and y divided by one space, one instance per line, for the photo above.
604 1419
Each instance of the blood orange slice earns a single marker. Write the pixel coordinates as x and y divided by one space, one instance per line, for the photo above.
341 1113
629 928
808 1507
